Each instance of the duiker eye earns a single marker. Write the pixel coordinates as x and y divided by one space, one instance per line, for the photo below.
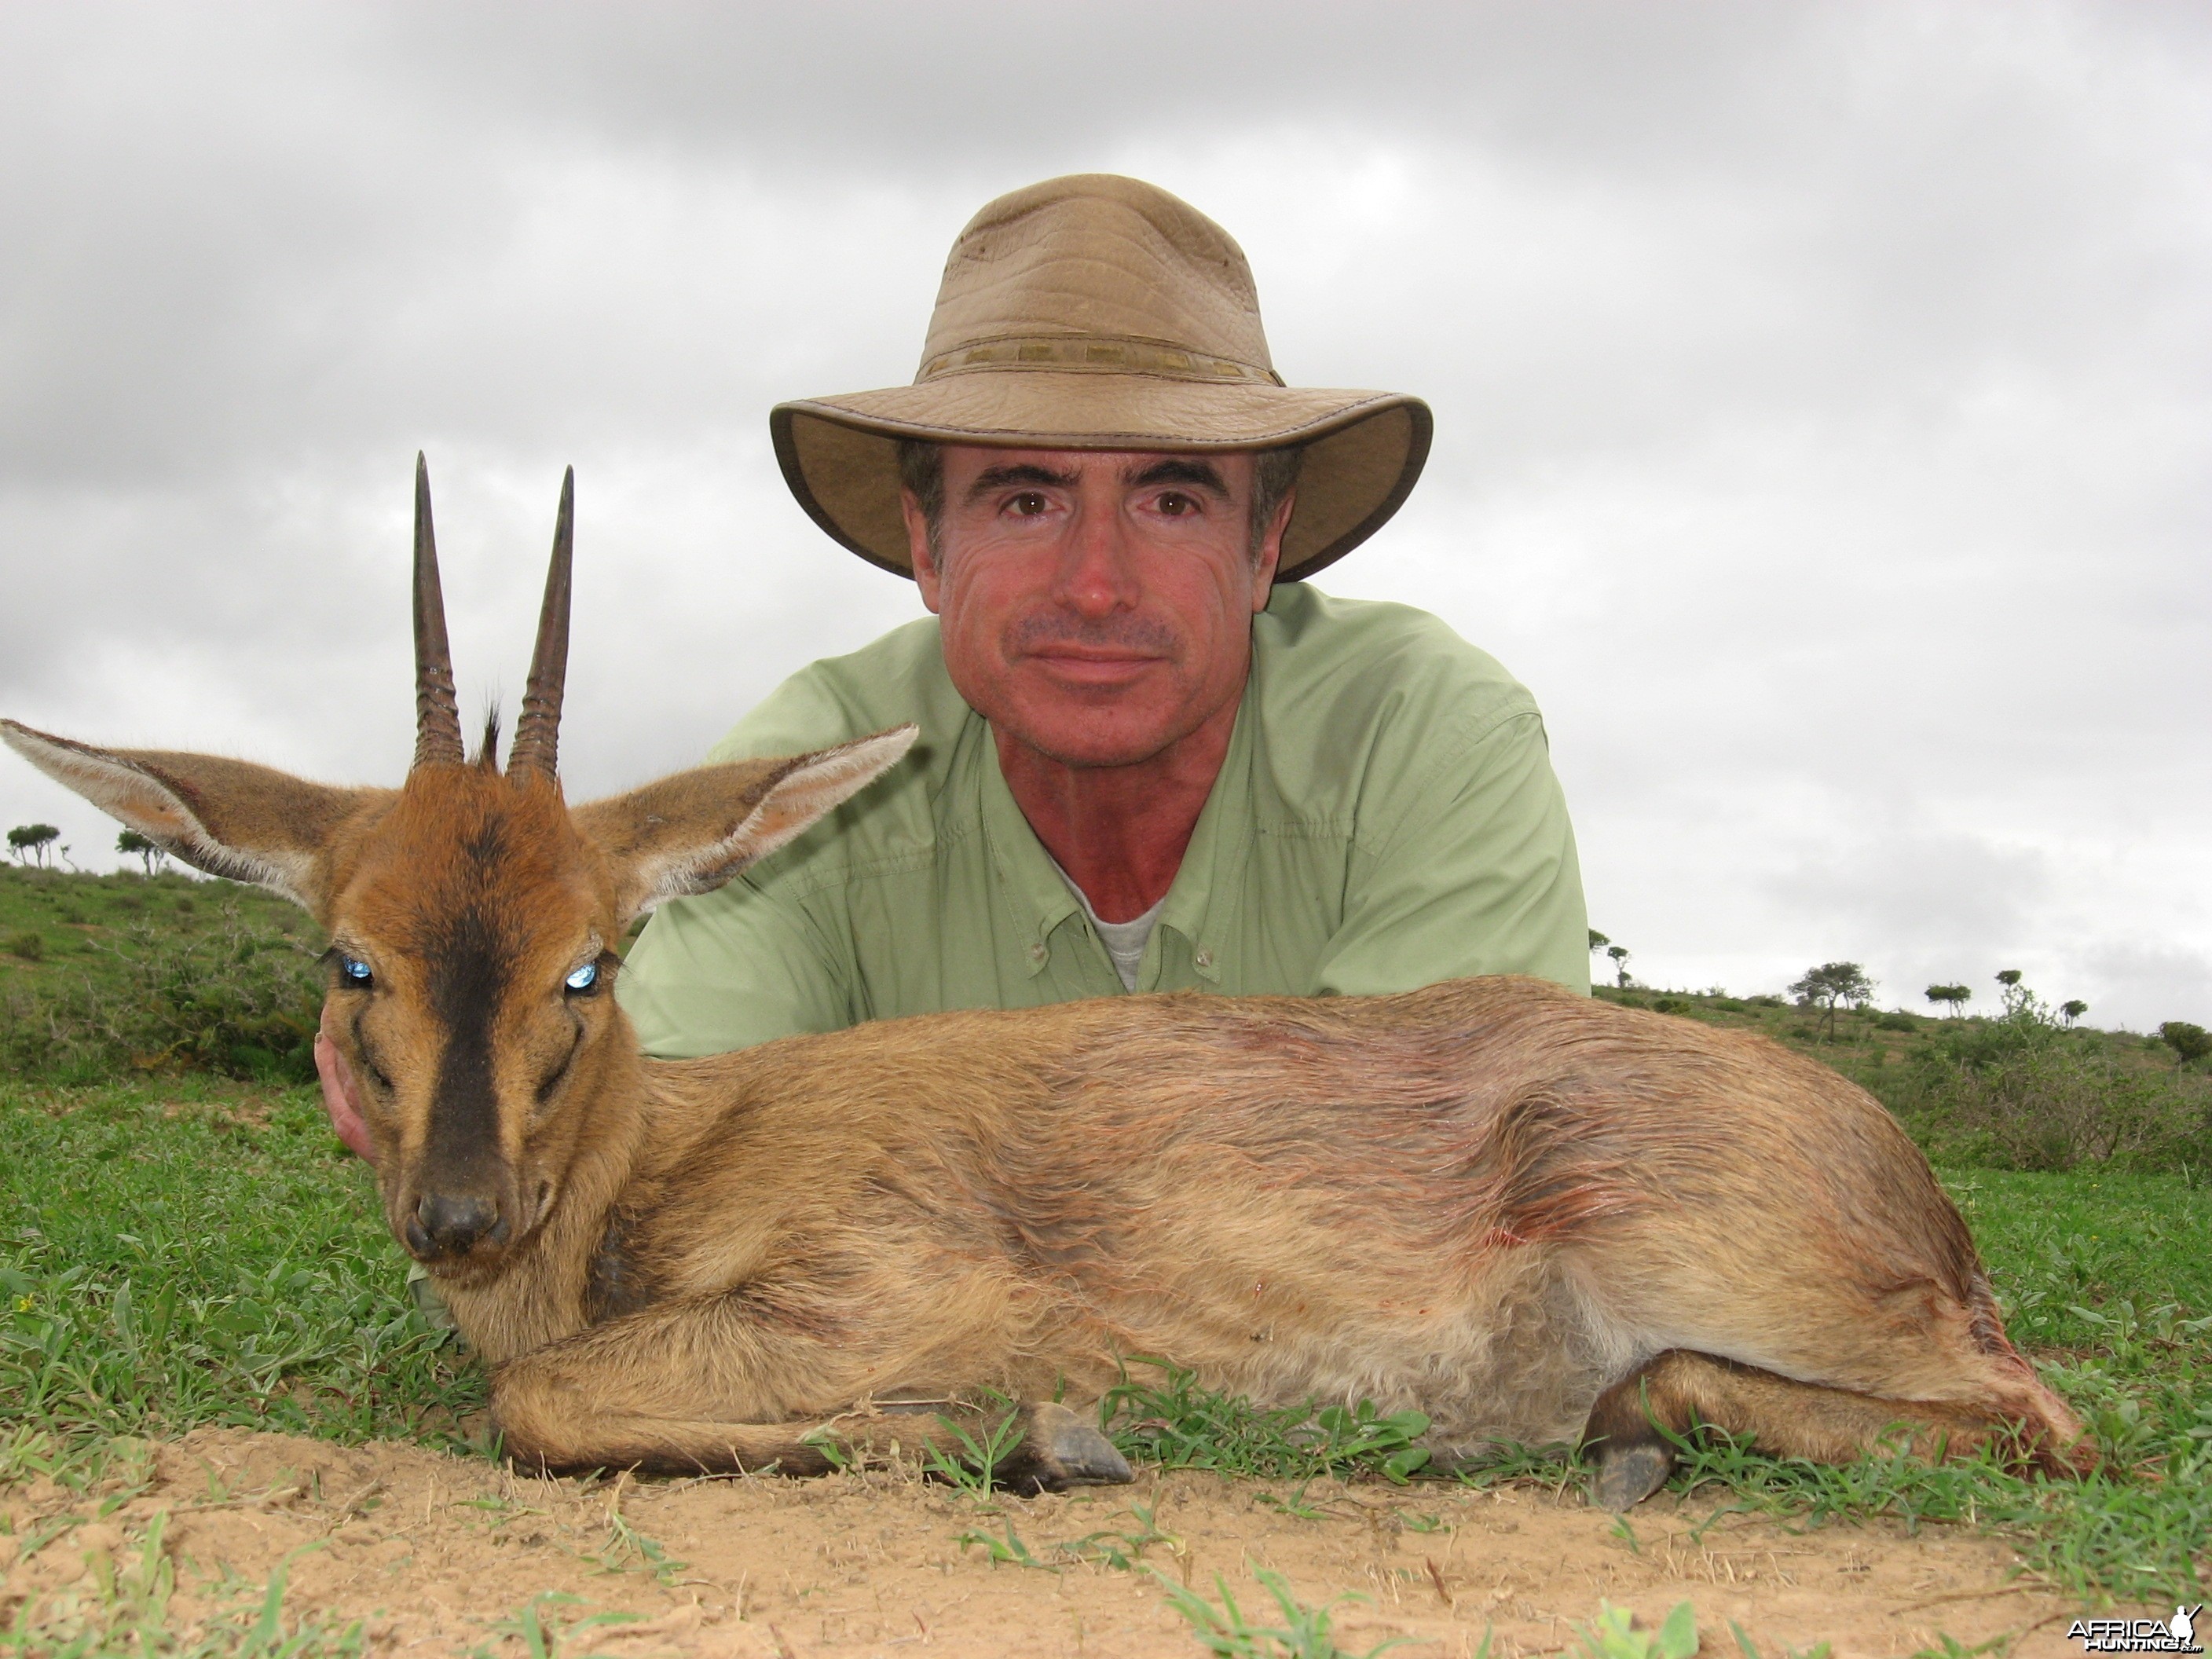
584 978
355 972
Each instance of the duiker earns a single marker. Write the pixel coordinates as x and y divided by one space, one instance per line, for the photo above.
1530 1215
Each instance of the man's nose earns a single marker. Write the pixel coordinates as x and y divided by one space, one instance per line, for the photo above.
1096 574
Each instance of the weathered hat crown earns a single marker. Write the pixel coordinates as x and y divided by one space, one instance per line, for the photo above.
1100 259
1100 313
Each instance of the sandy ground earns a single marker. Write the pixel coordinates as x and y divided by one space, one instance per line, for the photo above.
432 1553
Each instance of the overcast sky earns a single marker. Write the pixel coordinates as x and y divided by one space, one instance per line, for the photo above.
1823 395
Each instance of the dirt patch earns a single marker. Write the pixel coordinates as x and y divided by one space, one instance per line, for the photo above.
433 1552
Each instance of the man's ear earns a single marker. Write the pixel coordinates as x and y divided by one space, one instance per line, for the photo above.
1270 552
690 833
228 817
920 554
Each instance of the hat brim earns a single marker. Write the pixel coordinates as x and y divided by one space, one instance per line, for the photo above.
1364 450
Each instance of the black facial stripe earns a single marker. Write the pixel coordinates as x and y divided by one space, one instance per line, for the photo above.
467 972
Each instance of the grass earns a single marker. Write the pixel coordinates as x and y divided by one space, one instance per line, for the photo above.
546 1631
1161 1416
125 1611
973 1470
1613 1635
194 1252
1305 1632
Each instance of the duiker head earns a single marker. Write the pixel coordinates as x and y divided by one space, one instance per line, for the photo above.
472 913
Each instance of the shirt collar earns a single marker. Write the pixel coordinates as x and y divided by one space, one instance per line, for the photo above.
1038 898
1218 843
1040 901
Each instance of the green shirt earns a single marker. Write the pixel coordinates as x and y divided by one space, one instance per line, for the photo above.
1386 817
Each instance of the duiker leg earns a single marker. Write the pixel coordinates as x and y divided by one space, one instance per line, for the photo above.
1679 1389
698 1388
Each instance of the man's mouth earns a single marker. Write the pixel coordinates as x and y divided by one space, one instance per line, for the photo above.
1086 664
1069 648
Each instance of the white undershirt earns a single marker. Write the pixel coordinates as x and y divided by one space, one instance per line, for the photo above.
1125 941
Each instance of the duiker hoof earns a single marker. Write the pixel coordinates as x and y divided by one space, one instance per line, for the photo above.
1059 1449
1628 1475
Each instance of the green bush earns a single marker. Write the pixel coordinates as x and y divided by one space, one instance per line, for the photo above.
2189 1042
2023 1091
238 998
27 945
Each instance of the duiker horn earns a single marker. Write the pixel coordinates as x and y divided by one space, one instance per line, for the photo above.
437 712
538 734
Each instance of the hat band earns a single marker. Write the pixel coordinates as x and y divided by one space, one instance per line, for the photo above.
1101 354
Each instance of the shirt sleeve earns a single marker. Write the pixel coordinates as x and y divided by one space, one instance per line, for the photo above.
1479 876
728 969
751 961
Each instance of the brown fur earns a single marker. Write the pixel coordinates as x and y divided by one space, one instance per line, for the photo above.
1521 1212
1490 1200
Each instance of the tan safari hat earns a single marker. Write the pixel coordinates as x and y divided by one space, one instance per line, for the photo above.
1096 311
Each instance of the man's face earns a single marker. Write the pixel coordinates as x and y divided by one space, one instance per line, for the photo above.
1096 606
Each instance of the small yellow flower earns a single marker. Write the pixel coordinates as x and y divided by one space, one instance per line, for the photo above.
23 1304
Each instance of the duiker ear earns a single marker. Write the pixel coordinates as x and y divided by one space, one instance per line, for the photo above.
690 833
228 817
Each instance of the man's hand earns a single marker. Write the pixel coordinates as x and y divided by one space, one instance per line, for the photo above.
342 1099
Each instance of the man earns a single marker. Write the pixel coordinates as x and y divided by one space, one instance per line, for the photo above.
1151 757
1108 502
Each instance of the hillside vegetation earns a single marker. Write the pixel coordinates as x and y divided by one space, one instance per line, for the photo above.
109 977
2021 1089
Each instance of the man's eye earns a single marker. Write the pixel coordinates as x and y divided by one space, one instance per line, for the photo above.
1029 504
1176 504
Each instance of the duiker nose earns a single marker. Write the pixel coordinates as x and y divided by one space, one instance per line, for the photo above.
449 1224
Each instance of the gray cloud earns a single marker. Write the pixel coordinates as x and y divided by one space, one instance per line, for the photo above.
1822 396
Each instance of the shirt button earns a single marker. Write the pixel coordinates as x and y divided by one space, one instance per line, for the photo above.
1203 958
1037 953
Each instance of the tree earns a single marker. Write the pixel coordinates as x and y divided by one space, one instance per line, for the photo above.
1619 955
1598 941
2016 996
1834 982
31 841
1953 994
2189 1042
148 853
2073 1008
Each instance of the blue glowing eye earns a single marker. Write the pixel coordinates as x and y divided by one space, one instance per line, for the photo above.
584 978
356 971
